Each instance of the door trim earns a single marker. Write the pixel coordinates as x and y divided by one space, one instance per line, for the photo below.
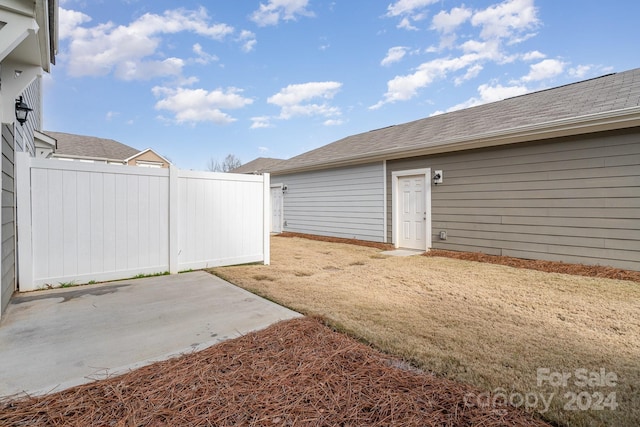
277 185
395 216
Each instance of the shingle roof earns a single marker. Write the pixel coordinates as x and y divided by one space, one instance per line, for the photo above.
609 93
91 147
259 165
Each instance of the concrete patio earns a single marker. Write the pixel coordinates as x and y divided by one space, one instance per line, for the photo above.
51 340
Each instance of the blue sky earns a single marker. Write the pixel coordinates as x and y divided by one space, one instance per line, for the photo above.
275 78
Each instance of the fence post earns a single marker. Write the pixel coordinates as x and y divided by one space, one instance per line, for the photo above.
266 222
173 219
23 222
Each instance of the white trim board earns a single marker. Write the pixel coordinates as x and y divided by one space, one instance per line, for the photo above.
279 185
426 172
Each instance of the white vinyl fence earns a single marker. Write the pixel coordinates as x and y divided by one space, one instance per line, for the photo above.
81 222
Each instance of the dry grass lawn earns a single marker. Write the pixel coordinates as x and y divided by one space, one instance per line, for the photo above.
488 325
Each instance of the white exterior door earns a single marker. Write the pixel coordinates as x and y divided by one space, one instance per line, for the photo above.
276 209
412 212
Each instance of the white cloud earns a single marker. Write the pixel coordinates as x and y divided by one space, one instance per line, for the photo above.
519 39
408 7
409 10
488 94
545 69
199 105
472 73
394 54
496 27
533 56
178 20
69 20
506 20
276 10
402 88
296 100
261 122
128 51
333 122
405 23
202 56
486 49
248 40
580 71
447 22
111 115
146 70
507 23
499 92
301 110
186 81
263 149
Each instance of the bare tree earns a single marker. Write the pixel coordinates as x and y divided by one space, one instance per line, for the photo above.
228 164
213 165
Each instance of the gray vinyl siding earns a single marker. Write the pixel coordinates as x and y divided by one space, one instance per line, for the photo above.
342 202
15 137
574 199
7 235
24 135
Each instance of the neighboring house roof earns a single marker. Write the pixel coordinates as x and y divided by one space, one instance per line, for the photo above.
91 147
259 165
604 103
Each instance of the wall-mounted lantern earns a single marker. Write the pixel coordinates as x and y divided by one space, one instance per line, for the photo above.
437 177
22 111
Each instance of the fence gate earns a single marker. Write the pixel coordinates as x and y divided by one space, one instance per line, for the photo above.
82 222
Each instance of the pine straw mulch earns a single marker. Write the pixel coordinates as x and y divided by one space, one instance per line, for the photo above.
531 264
296 372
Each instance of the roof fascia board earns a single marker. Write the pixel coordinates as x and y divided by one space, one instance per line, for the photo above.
42 13
54 24
139 153
44 138
610 120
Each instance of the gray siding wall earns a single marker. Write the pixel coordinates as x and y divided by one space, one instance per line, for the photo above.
7 236
575 200
15 138
24 135
342 202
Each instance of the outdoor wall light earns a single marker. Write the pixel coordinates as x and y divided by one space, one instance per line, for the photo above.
437 177
22 111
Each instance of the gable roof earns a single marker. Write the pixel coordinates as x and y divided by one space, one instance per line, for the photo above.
91 147
148 150
604 103
259 165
